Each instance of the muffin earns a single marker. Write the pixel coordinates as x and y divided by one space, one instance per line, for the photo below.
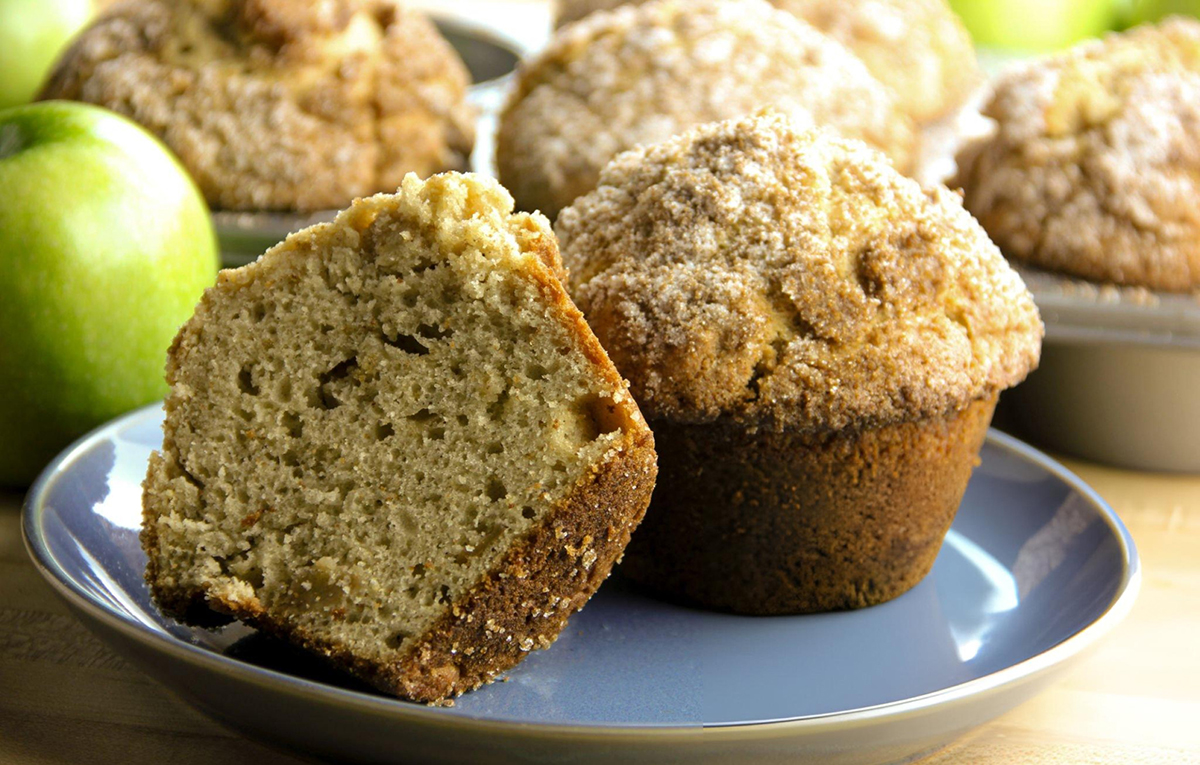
918 49
393 441
1093 169
643 73
279 104
817 343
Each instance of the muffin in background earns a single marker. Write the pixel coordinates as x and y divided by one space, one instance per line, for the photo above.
640 74
1093 169
817 343
279 104
918 49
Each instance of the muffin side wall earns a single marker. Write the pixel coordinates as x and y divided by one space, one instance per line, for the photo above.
783 522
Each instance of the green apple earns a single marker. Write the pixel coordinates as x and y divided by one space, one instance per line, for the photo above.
32 35
1142 11
105 247
1035 25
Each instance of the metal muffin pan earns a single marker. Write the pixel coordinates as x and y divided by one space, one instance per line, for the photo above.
490 58
1118 378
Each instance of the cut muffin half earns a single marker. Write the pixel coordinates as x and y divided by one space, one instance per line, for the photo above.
394 441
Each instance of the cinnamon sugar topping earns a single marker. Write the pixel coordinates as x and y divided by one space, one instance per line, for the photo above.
756 270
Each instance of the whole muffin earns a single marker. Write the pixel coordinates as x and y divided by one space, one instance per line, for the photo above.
641 74
817 343
279 104
918 49
1094 166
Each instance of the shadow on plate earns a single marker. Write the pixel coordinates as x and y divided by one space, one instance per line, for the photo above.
277 655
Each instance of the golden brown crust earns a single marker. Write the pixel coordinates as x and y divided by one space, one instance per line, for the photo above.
277 105
754 271
526 602
778 523
641 74
1094 166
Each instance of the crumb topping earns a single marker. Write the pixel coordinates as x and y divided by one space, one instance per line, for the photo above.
279 105
1094 165
756 270
641 74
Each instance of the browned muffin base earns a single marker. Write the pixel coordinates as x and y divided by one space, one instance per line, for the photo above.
520 605
787 523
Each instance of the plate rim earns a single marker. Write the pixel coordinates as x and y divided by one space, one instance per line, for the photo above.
162 642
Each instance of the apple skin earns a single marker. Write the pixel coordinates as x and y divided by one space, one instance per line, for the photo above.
32 35
1035 25
105 247
1143 11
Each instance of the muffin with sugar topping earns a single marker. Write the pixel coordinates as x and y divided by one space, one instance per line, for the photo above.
279 104
919 49
641 74
818 344
1094 166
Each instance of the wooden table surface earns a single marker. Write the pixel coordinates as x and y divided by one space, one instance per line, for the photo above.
65 698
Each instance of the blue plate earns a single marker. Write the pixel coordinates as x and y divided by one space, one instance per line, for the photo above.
1035 569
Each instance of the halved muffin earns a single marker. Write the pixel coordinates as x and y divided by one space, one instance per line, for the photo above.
394 441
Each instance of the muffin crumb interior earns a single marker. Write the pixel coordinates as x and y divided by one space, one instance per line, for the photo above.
365 419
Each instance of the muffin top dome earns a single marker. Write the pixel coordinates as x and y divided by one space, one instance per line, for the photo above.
1094 167
918 49
754 270
640 74
279 104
